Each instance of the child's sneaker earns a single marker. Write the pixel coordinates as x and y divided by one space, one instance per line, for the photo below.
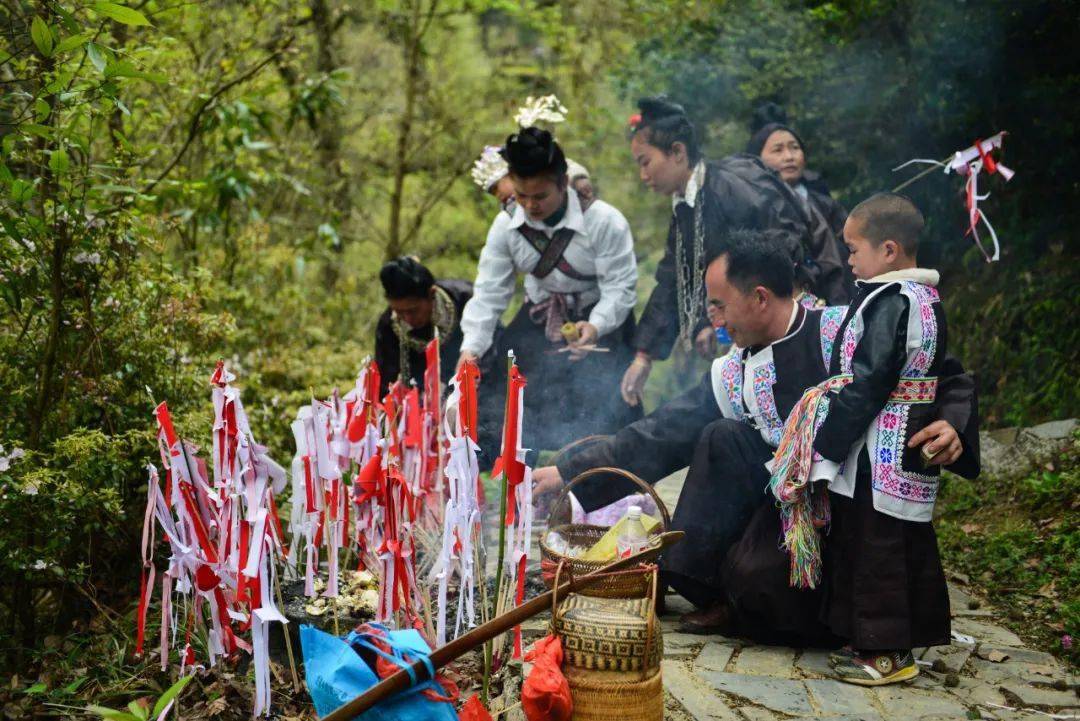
841 655
877 668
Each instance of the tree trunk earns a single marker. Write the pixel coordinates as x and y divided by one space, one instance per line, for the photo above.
328 130
411 52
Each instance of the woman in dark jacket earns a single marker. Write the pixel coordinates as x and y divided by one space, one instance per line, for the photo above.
781 149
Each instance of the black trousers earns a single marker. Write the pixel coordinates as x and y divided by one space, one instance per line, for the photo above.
725 485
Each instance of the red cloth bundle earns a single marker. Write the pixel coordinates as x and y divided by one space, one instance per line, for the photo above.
545 695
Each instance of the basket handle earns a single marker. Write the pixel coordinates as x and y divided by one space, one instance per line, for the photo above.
565 491
650 624
572 445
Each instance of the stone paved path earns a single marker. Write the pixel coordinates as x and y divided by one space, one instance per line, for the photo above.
709 678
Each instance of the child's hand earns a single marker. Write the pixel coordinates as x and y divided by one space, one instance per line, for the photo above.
941 443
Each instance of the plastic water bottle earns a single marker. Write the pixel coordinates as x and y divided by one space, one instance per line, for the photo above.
633 538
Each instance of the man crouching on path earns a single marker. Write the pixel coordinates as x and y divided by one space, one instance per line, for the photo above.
728 426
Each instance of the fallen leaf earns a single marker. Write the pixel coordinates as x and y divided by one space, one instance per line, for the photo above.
217 706
1042 670
993 655
971 528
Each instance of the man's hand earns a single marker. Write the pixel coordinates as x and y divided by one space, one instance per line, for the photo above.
465 356
705 343
940 442
587 335
633 380
546 480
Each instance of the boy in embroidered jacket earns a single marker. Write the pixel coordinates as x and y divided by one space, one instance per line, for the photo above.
885 589
726 428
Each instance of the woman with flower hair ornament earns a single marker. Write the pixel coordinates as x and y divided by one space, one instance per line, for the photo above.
572 335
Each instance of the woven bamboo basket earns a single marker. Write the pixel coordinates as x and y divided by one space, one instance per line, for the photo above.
609 634
624 585
624 700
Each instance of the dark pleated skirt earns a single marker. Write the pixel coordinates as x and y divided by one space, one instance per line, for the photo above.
884 585
566 400
764 606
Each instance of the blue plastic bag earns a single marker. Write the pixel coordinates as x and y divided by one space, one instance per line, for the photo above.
336 674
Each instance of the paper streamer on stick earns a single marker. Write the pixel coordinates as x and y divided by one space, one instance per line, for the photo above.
970 162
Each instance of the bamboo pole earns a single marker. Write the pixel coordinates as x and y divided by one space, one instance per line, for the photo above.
481 634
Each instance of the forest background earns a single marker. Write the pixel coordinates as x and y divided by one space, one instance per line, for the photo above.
182 181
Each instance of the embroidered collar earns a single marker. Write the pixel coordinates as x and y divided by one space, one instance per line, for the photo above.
573 218
696 183
925 276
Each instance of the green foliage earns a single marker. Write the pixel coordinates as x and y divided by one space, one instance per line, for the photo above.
141 711
1019 539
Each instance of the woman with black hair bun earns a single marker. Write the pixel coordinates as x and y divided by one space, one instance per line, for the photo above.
709 200
572 335
783 150
418 304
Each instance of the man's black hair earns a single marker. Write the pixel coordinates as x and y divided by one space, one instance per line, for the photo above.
534 152
756 258
664 123
890 216
406 277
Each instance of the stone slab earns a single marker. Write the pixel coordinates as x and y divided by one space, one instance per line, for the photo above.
954 657
779 694
682 645
975 691
1040 698
694 696
900 702
1022 655
714 656
814 662
775 661
1054 430
756 713
986 633
834 697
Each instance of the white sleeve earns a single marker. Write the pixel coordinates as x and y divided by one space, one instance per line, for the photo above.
492 290
616 273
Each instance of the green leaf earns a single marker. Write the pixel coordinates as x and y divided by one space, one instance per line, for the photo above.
21 191
42 131
41 110
111 714
5 174
70 43
36 688
127 70
74 685
97 58
138 710
4 56
42 36
120 14
59 162
170 693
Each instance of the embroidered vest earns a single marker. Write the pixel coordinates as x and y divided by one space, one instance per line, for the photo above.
774 392
898 490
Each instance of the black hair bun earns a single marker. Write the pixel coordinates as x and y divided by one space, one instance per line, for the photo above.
767 114
533 151
406 277
658 107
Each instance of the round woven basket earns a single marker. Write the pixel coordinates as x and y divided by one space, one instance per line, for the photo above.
623 585
625 700
609 634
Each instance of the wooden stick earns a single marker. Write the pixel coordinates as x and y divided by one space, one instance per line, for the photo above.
288 638
481 634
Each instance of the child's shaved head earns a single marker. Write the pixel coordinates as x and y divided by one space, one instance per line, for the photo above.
890 216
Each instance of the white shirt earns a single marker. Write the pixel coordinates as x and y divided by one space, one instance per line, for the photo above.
602 246
689 195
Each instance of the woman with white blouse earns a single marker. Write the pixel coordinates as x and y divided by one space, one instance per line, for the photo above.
580 271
